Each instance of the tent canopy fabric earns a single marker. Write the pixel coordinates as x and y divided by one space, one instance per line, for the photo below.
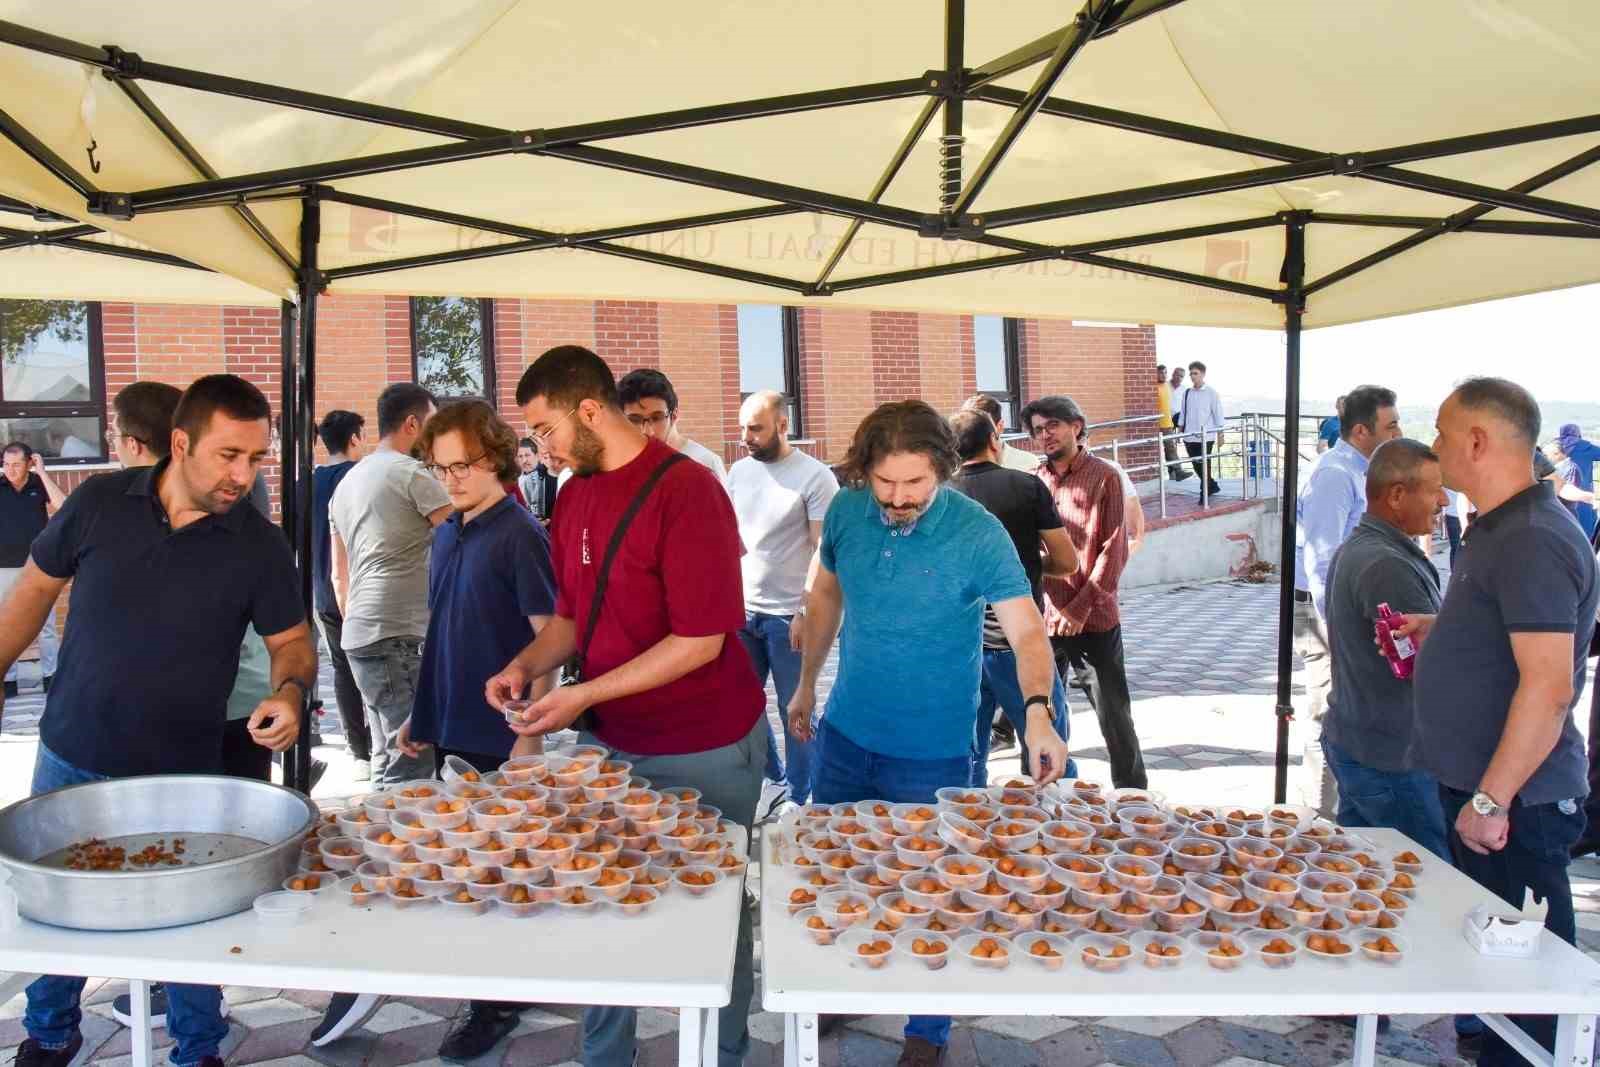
1267 109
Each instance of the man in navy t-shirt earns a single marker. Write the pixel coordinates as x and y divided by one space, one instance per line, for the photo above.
342 435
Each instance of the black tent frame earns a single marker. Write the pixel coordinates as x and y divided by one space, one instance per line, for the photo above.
946 89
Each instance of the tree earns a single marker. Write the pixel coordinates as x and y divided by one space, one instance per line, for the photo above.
22 322
449 340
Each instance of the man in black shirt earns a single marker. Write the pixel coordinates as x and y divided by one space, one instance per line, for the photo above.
27 500
1025 508
342 435
167 545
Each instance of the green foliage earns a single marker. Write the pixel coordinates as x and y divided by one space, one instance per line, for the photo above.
449 340
22 322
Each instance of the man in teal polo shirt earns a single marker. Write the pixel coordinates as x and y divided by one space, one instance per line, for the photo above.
915 564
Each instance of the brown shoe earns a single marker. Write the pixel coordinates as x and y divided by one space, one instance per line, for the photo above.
920 1052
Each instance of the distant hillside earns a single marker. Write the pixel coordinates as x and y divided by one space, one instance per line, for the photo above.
1417 420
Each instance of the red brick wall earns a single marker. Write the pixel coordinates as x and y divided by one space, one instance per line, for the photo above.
627 334
359 351
945 360
896 375
688 350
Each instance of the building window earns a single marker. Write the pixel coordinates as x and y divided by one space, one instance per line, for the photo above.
769 355
52 389
452 346
999 366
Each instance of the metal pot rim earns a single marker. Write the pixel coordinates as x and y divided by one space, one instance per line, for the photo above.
313 813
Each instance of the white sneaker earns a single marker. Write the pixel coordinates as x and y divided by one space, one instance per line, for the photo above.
773 794
361 770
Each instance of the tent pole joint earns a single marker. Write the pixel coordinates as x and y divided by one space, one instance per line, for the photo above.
122 63
112 205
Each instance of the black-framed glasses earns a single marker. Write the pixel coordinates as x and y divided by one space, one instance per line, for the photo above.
453 470
660 418
113 435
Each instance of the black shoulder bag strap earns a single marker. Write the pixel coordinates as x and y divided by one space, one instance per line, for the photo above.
611 554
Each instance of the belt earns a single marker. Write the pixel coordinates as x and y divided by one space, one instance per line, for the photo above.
1302 597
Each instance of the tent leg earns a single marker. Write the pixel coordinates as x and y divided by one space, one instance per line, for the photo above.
299 422
1294 263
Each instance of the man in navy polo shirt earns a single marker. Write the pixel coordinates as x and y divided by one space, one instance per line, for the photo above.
491 589
169 546
28 498
909 564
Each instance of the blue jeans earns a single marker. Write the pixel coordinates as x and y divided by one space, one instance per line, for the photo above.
999 686
1535 857
847 772
386 674
766 638
1407 801
194 1012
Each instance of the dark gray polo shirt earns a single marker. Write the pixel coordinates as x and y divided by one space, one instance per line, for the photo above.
1524 567
1369 713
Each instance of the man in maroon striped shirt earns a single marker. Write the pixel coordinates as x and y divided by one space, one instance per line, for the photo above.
1080 611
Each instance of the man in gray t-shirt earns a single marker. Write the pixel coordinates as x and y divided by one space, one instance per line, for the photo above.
780 496
382 518
1501 667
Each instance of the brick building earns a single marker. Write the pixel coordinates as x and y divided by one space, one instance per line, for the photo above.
835 364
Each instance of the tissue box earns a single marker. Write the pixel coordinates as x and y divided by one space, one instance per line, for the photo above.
1498 931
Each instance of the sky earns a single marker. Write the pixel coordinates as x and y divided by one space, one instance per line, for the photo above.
1548 342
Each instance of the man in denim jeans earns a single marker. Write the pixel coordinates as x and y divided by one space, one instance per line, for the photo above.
780 496
382 517
138 544
909 565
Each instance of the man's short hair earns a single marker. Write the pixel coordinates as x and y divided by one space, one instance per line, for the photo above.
1063 408
900 426
15 447
399 402
338 428
527 442
227 393
1197 365
481 428
644 384
1161 369
566 376
1504 399
1399 461
975 433
144 413
985 403
1360 408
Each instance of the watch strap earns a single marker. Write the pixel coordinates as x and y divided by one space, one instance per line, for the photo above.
1038 698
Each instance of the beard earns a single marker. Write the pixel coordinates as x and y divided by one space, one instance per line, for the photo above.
765 452
902 516
587 451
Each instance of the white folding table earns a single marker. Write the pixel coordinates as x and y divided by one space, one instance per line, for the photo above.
1441 974
677 955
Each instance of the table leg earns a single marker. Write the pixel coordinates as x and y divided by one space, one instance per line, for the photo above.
791 1040
709 1023
806 1041
1574 1040
139 1032
1365 1052
691 1031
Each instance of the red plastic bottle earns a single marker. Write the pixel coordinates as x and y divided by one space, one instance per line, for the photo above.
1399 650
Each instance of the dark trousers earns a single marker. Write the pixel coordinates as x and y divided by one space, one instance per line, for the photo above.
1101 653
1535 857
483 763
1452 530
241 756
1200 454
352 715
1592 805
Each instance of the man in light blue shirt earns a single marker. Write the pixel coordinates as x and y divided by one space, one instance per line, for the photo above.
914 562
1328 508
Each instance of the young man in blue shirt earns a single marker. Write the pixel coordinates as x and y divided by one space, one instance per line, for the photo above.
909 566
342 435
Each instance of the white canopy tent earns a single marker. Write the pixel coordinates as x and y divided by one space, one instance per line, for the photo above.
1212 162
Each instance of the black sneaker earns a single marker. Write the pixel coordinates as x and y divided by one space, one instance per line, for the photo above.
476 1032
122 1006
11 691
346 1011
32 1054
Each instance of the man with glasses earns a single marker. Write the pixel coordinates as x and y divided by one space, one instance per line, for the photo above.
28 497
1080 611
651 404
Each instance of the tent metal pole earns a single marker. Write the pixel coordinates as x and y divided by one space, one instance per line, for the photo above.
45 156
953 139
1083 27
1125 13
299 383
1294 269
1492 226
38 214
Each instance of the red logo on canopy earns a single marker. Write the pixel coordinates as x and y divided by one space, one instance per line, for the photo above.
1227 258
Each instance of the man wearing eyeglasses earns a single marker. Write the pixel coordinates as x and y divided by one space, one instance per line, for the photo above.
651 404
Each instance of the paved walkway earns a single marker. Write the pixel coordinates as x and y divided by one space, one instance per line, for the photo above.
1200 663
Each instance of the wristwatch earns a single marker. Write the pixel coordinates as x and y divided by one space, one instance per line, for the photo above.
1038 699
1486 805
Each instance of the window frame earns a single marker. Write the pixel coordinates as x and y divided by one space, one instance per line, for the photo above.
1011 397
93 408
486 332
793 388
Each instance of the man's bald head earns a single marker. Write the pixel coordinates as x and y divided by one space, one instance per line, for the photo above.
764 425
1487 430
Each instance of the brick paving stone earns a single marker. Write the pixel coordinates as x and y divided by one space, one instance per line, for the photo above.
544 1046
1134 1050
274 1042
1200 1044
1078 1047
995 1049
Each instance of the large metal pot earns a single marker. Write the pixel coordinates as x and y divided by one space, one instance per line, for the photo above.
258 826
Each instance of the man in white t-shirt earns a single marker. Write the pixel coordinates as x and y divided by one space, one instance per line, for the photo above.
780 496
651 404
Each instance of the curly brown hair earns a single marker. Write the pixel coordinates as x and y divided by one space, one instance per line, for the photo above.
900 426
482 429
